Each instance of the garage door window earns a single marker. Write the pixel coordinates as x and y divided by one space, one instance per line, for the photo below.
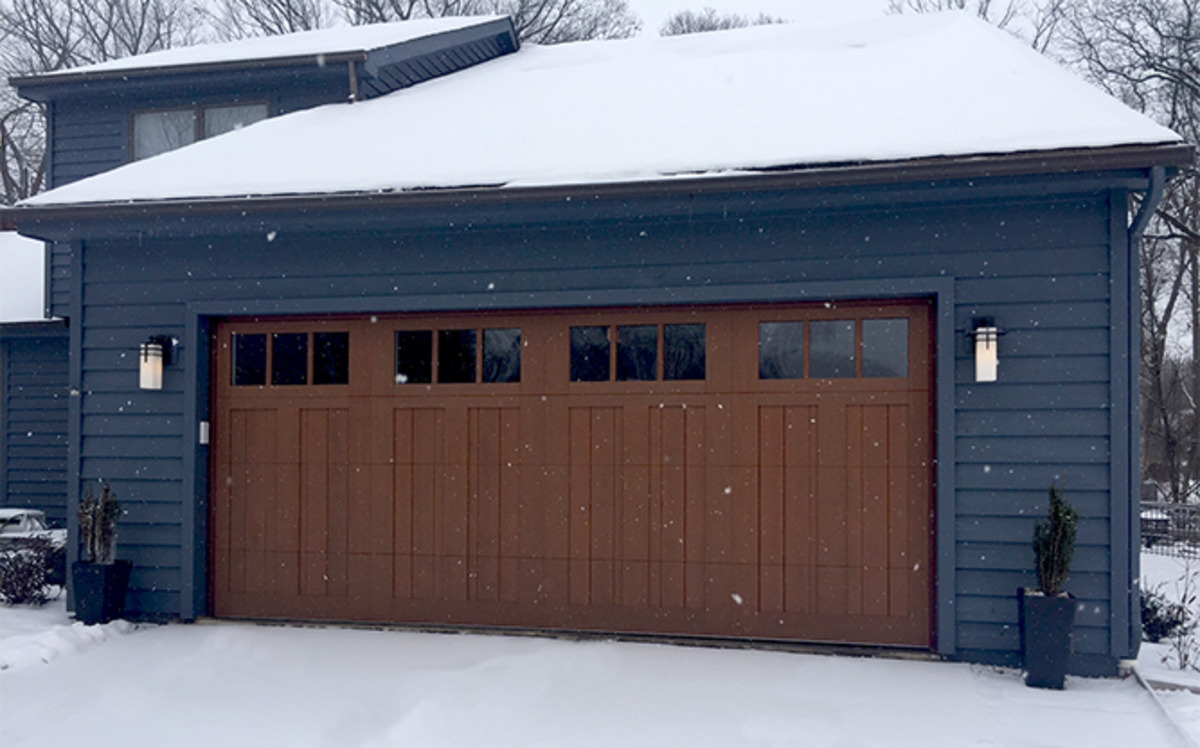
331 358
457 356
685 352
832 352
781 350
639 357
885 347
502 355
832 349
249 360
288 356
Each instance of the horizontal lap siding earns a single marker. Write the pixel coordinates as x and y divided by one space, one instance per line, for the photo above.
87 139
33 375
1039 267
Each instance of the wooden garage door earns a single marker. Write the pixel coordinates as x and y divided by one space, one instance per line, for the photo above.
740 472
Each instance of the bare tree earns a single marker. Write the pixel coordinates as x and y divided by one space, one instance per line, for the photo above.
360 12
39 36
998 13
238 19
695 22
1147 52
1034 21
538 21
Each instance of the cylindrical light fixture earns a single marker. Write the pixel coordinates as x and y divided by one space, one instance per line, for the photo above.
987 353
151 366
153 355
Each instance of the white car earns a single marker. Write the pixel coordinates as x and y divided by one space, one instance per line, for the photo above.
18 524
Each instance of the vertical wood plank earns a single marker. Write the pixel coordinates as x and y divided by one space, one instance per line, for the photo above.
772 521
580 444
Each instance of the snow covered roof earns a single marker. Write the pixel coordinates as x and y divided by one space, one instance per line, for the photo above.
773 97
334 43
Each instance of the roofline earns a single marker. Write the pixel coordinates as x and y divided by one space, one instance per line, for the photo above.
66 78
32 329
1028 163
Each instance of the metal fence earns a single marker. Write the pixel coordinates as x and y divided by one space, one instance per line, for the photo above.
1171 529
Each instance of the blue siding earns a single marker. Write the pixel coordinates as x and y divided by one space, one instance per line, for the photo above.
33 419
1040 266
90 136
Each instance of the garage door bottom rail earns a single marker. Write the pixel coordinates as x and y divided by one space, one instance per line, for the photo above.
658 624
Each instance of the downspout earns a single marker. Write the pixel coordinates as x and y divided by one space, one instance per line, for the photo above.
1153 196
1158 180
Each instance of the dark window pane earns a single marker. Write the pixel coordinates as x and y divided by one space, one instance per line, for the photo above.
289 358
159 132
832 349
685 351
456 356
885 348
637 353
781 350
414 357
331 358
502 355
589 354
249 359
223 119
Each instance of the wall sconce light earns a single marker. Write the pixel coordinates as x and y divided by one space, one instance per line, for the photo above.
987 345
154 354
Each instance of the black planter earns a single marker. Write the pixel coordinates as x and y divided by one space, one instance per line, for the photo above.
100 590
1046 627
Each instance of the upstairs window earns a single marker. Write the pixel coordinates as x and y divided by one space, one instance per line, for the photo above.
163 130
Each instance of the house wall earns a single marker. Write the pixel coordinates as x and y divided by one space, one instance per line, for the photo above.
33 418
1039 263
93 133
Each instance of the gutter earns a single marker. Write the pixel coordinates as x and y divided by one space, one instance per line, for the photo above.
61 79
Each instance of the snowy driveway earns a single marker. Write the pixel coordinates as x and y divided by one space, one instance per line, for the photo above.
243 685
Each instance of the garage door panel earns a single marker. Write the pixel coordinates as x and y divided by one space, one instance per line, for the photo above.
786 508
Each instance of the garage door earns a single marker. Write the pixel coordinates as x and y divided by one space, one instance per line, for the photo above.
730 471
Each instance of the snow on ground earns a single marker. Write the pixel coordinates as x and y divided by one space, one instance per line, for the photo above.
21 283
943 84
30 636
232 684
1158 662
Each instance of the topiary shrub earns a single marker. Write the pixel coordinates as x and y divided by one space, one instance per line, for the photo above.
23 572
1054 544
98 525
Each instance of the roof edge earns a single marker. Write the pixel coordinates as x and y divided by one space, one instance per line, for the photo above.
32 328
62 79
1027 163
484 28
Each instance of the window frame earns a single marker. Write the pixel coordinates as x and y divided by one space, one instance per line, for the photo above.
198 118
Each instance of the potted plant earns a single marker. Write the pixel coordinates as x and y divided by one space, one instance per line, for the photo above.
1048 612
101 580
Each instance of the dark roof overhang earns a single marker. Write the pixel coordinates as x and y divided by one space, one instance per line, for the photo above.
33 329
498 36
1124 167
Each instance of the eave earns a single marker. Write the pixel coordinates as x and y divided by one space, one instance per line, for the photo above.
1132 162
46 87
